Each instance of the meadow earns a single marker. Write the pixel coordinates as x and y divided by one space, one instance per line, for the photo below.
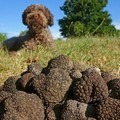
102 52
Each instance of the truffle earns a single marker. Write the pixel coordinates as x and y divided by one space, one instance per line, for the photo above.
90 87
59 83
11 84
74 110
106 76
61 61
34 68
23 81
50 114
23 106
38 85
4 95
94 69
75 74
51 88
109 109
114 88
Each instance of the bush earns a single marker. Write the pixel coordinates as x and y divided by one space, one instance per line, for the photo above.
3 37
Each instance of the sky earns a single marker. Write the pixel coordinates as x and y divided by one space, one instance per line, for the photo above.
11 14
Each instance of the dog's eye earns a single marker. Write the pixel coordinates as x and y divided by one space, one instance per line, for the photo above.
38 9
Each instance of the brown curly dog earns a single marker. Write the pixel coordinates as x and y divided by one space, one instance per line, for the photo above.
37 18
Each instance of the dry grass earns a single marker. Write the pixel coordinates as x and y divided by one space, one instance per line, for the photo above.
92 51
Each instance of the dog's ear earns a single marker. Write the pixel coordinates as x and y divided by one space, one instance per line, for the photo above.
26 11
48 15
24 15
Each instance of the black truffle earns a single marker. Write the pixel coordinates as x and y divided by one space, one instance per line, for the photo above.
38 85
34 68
4 95
114 88
109 109
24 79
59 83
90 87
52 88
11 84
74 110
107 76
23 106
62 61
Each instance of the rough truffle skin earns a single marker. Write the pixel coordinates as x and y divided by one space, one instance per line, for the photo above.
75 74
61 61
38 86
37 18
4 95
106 76
74 110
34 68
109 109
90 87
23 106
59 83
94 69
50 114
48 87
24 79
114 88
11 84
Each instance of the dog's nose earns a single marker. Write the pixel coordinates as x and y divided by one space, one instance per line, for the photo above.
35 16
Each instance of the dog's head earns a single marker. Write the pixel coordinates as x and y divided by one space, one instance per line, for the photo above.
37 17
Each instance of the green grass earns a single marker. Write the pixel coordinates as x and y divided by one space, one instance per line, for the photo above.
103 52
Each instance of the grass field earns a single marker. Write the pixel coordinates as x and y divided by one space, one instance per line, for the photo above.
103 52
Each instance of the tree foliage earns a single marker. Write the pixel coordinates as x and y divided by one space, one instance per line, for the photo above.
22 33
85 17
3 37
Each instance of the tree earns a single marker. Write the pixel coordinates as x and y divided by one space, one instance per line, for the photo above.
22 33
3 37
85 17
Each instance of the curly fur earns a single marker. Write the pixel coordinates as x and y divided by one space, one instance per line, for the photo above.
37 18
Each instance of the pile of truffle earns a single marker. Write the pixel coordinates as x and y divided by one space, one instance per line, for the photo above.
64 90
